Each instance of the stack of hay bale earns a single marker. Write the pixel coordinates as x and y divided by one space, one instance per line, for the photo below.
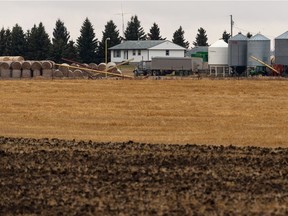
15 67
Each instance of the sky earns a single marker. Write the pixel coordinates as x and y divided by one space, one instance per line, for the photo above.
265 17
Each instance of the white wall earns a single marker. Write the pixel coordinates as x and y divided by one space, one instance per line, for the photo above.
162 53
146 55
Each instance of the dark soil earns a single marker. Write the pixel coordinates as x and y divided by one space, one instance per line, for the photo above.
59 177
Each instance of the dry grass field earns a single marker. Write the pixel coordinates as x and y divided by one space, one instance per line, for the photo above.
221 112
108 150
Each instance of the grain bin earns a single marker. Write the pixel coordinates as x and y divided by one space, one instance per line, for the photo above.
281 49
259 47
218 58
218 53
237 53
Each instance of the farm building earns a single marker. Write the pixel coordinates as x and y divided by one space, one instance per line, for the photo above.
218 58
145 50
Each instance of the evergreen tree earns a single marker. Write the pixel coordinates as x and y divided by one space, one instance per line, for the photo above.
8 42
18 43
71 51
39 45
59 41
226 36
2 42
87 43
112 33
201 38
249 35
155 33
178 38
134 31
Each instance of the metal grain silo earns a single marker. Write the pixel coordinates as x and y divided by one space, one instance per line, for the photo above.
259 47
281 49
237 50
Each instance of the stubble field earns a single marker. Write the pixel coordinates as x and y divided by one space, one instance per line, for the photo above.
123 147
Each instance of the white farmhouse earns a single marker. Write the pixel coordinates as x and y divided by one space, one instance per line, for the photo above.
145 50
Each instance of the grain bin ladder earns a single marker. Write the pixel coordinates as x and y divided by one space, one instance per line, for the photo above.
261 62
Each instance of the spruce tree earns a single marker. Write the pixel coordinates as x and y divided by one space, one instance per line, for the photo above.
39 45
134 31
59 41
87 43
111 32
201 38
18 43
226 36
178 38
71 51
8 42
2 41
155 33
249 35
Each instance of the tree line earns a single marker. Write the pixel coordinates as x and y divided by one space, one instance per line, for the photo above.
35 44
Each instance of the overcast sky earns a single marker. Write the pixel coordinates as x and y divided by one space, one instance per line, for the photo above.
267 17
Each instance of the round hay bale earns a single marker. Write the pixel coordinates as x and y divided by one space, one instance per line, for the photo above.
16 58
111 64
47 72
78 73
58 73
26 73
16 73
5 65
64 68
102 67
5 73
4 58
47 65
36 73
93 66
16 65
36 65
26 65
70 74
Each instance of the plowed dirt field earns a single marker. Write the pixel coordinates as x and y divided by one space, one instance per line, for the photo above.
58 177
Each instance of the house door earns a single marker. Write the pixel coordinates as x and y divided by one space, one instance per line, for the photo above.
125 54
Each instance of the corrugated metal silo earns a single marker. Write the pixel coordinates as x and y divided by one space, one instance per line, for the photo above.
237 51
281 49
218 53
259 47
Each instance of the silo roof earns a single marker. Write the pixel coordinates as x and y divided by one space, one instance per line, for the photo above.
259 37
219 43
238 37
283 36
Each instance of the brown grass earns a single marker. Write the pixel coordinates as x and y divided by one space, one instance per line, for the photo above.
239 112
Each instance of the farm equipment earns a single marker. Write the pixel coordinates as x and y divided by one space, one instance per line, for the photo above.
92 73
266 65
161 66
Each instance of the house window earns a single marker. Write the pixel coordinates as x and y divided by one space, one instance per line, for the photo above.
167 52
139 52
134 52
117 53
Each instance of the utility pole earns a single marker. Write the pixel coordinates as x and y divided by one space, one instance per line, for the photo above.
231 23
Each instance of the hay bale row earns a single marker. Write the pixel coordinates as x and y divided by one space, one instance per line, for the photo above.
11 58
26 65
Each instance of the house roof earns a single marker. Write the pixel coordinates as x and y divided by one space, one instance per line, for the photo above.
142 44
